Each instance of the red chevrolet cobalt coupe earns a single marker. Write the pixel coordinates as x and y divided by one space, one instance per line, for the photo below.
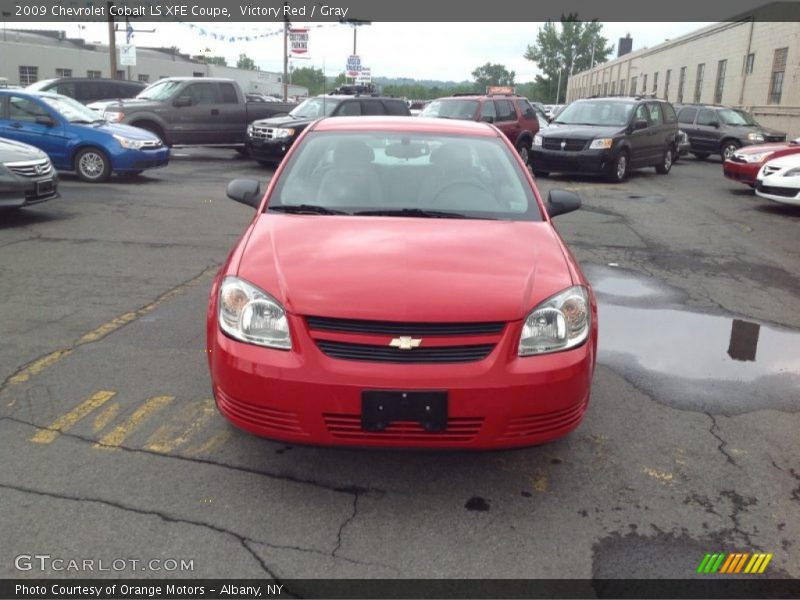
401 284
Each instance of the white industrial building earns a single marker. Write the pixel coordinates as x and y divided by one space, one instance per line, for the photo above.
28 56
749 63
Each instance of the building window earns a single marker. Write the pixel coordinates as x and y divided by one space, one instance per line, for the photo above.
721 67
776 82
613 88
749 61
621 87
144 78
634 81
655 84
605 89
681 81
28 75
197 74
698 85
666 84
94 74
63 72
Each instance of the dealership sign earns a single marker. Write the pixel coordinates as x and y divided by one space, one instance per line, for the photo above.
299 40
364 76
127 55
353 65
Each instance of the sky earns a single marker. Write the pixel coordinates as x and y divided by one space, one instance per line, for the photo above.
443 51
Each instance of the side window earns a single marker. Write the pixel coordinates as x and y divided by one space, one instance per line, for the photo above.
505 110
351 108
65 89
668 113
487 112
526 109
396 108
687 115
372 107
22 109
707 117
228 93
641 114
654 108
201 93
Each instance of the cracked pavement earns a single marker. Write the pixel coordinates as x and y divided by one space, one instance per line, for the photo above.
106 290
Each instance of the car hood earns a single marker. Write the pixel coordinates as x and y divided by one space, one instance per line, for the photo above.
759 148
139 103
11 151
743 130
134 133
404 269
283 121
785 162
583 132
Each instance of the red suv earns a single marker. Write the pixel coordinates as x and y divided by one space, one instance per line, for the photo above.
511 114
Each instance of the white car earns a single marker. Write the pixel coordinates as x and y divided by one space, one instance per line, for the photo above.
779 180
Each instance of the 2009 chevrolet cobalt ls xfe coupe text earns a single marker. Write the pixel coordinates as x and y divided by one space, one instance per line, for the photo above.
402 285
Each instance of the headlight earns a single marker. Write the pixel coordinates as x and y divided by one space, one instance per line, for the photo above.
113 117
283 133
754 158
129 143
559 323
792 172
537 140
250 315
601 143
250 129
755 137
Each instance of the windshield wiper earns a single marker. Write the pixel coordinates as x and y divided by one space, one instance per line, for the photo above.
306 209
415 212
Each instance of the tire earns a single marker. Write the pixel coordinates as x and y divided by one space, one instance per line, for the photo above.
541 173
728 148
700 155
665 165
524 150
619 168
92 165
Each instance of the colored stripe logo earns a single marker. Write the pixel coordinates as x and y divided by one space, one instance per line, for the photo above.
734 563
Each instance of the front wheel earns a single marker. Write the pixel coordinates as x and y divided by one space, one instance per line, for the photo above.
92 165
619 168
524 150
666 162
728 148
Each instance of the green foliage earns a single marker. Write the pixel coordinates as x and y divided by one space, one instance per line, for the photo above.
492 74
216 60
565 48
309 77
245 62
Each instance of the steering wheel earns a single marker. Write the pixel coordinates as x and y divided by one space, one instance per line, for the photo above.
470 183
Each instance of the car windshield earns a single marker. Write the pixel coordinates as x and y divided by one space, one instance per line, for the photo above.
38 86
730 116
451 109
72 110
315 108
596 112
405 175
160 90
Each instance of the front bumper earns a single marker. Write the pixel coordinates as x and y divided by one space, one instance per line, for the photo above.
767 188
741 172
564 161
306 396
140 160
24 191
268 150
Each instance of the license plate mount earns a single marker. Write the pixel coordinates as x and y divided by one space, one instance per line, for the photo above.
44 188
380 408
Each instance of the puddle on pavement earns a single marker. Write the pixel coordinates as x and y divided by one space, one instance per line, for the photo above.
688 359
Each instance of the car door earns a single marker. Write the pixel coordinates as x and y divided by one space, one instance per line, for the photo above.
506 120
19 123
232 115
658 140
686 121
641 140
708 131
199 122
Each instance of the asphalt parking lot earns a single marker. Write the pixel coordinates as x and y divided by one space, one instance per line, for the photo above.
113 449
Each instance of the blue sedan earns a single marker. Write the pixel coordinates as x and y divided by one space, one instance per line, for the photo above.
76 138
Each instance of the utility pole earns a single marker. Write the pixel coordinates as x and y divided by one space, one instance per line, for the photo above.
285 57
112 44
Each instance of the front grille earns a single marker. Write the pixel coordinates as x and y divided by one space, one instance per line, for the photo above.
388 354
400 328
768 170
778 191
265 417
774 138
459 429
571 145
263 133
31 168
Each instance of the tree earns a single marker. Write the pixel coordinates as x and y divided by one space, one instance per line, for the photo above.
571 48
492 74
309 77
216 60
245 62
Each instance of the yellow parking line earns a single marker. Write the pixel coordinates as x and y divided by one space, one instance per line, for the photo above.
106 416
176 433
65 422
213 443
37 367
118 435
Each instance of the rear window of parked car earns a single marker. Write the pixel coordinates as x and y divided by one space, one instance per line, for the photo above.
396 107
597 112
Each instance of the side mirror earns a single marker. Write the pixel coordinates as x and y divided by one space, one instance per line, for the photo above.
714 124
182 101
45 120
487 119
640 124
560 202
246 191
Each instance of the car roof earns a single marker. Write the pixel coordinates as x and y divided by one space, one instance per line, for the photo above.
346 96
483 97
81 79
406 124
23 92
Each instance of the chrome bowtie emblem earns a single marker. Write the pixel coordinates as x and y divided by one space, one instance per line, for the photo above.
405 343
563 144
